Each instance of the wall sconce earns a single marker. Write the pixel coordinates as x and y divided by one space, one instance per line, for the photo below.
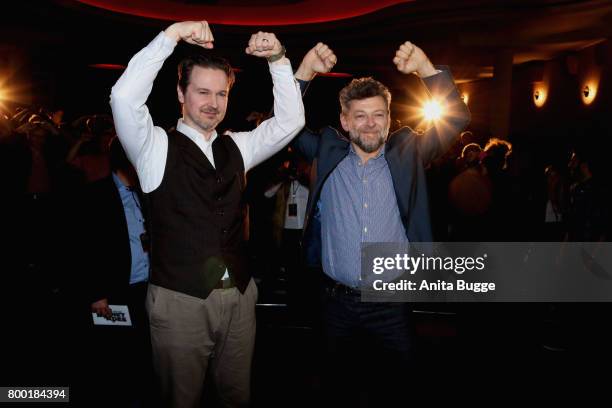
588 93
465 97
539 95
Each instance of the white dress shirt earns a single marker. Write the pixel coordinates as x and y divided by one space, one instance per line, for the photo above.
146 145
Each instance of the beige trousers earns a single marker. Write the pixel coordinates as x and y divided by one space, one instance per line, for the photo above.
188 332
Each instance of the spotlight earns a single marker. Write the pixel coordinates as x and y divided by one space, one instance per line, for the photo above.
432 110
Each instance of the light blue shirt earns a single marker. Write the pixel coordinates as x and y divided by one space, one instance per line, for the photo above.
357 204
136 227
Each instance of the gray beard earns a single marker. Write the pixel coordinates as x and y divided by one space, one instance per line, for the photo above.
370 147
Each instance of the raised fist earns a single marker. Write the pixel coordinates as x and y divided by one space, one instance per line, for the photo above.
264 45
193 32
319 60
409 58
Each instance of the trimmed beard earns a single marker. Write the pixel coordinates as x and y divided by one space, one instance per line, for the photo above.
367 146
207 126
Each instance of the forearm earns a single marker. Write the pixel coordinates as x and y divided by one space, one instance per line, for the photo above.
427 70
304 73
274 133
288 105
129 95
455 118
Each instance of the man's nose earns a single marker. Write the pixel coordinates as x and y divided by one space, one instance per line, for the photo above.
213 102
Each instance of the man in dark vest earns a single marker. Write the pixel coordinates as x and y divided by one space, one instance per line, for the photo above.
201 298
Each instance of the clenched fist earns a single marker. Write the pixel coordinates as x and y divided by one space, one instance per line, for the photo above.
319 60
193 32
409 58
264 45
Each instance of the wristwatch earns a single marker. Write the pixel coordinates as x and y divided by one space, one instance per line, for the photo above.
278 56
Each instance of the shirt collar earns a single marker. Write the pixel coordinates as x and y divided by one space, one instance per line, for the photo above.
380 154
193 134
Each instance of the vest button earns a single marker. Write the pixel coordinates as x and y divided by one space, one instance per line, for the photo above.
224 231
219 198
220 212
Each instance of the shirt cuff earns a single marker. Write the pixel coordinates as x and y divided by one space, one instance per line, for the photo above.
282 69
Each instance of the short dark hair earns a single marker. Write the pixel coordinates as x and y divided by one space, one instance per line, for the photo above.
363 88
204 61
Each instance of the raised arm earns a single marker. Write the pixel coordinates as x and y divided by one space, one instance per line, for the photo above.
318 60
274 133
440 136
146 145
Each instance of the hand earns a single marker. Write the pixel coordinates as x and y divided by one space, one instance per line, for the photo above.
192 32
101 308
320 59
409 58
264 45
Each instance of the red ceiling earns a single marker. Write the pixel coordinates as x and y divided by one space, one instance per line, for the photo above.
107 66
304 12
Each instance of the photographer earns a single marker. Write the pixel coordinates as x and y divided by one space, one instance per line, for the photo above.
90 152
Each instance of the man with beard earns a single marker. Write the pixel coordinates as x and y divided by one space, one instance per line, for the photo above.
371 188
201 297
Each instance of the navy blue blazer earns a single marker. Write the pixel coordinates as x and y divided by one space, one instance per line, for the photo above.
407 154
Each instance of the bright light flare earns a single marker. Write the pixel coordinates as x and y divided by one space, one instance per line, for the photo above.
3 96
10 94
429 111
432 110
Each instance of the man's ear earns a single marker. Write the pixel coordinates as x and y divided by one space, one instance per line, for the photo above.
344 121
179 92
